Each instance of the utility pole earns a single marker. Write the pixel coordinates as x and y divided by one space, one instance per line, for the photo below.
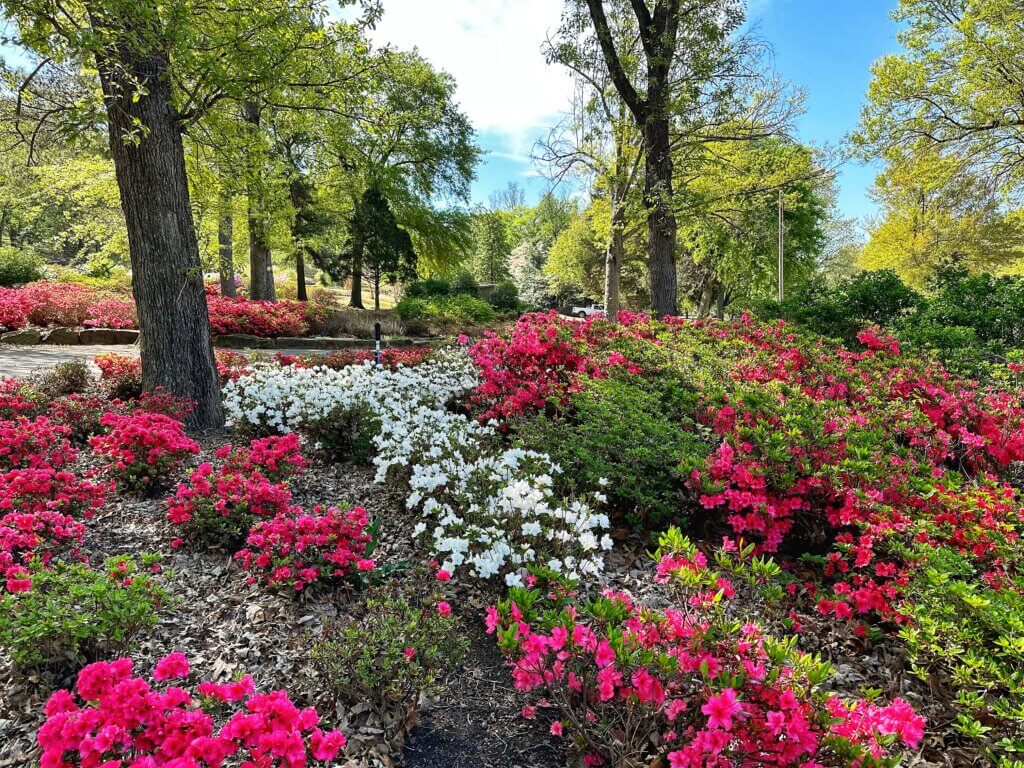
782 247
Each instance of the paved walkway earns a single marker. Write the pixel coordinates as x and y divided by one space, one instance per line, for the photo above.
25 361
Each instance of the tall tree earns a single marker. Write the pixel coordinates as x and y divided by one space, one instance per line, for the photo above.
936 211
493 247
161 66
958 86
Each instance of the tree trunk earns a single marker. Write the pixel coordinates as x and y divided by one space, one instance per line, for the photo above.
300 276
707 295
167 273
613 262
356 300
661 218
261 267
376 292
720 302
225 248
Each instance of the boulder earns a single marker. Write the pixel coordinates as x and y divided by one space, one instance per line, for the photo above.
62 336
25 337
103 336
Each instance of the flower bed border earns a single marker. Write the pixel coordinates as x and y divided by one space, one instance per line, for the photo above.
123 337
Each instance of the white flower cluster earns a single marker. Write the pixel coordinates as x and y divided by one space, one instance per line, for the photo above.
486 507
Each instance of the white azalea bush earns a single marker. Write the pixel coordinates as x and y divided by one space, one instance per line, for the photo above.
487 508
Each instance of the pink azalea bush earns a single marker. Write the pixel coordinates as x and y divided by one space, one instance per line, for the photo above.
120 375
35 444
142 449
19 399
113 718
15 308
40 536
259 318
112 313
218 505
297 548
692 684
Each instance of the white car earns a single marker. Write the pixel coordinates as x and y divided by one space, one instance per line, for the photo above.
585 312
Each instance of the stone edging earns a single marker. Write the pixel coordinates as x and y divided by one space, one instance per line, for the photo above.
116 336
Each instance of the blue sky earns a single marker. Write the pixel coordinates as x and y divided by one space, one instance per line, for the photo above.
492 48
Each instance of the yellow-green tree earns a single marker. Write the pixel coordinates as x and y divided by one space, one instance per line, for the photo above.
938 211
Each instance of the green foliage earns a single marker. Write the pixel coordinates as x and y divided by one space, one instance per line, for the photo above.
842 310
398 648
429 288
465 282
18 266
346 433
967 637
73 614
459 308
629 437
505 297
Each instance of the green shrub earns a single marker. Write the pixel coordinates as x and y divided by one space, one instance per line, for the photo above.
460 308
73 615
841 311
18 267
505 297
464 282
346 433
429 288
71 377
633 433
395 650
967 638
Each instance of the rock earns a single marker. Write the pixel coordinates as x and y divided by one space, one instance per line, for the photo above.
24 338
108 336
62 336
241 341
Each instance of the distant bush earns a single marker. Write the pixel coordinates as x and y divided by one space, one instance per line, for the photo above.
973 324
464 282
429 288
505 297
18 267
461 307
346 433
842 310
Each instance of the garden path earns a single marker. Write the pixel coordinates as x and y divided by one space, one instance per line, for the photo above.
22 361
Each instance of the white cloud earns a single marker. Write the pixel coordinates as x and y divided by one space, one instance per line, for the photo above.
493 50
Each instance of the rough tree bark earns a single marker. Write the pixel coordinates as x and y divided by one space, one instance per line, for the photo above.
225 248
167 274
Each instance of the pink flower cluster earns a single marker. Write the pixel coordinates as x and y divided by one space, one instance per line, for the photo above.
18 399
35 443
14 309
114 718
142 449
40 499
112 313
120 375
691 684
297 548
259 318
42 535
220 504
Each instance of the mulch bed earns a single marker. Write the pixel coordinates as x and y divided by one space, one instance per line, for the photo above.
227 627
